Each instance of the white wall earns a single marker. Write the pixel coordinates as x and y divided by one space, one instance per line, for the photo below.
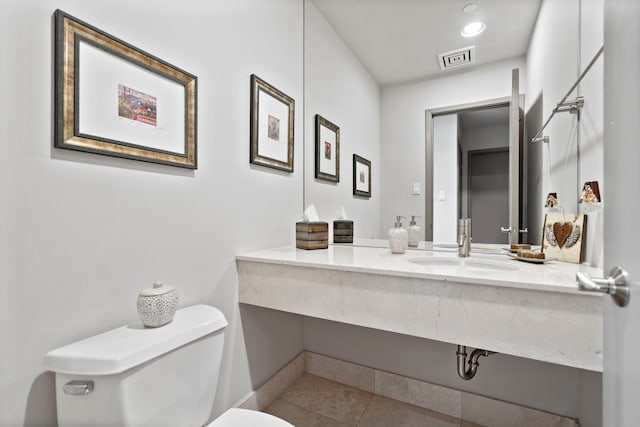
402 126
558 53
445 178
341 90
552 69
82 234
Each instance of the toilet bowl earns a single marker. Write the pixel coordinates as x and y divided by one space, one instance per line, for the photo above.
134 376
245 418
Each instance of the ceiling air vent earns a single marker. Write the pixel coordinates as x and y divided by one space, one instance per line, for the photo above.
457 57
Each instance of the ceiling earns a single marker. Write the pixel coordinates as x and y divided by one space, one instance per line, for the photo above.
399 40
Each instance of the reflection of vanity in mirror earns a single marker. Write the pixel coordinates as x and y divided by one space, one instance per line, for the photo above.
390 110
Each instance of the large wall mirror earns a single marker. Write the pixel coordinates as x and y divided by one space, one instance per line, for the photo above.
372 69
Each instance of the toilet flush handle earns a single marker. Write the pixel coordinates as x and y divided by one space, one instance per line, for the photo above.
78 388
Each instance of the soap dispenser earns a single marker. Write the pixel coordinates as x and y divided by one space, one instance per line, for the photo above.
398 237
414 232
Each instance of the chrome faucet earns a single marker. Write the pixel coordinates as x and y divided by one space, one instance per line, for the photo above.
464 237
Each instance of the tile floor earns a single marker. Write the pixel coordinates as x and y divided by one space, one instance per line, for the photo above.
312 401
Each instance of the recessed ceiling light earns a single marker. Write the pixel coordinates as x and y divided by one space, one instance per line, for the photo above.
473 29
468 8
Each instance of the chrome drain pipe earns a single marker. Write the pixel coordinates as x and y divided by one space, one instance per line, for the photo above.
467 372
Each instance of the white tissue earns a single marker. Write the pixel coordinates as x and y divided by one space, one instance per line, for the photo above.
341 213
310 214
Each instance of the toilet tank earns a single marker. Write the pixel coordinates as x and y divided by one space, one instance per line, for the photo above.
137 376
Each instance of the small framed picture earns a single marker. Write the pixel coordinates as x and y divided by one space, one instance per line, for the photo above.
272 114
590 193
563 236
327 150
552 201
361 176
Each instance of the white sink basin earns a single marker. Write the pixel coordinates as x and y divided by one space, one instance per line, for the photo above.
464 264
475 247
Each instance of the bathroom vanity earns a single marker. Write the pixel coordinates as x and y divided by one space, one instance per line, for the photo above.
487 300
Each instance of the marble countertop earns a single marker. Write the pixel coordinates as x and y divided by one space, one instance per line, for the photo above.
374 258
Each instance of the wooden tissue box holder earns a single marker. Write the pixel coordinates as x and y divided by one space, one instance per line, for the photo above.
342 231
312 235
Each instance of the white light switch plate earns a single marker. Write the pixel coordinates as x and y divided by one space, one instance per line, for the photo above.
416 189
442 195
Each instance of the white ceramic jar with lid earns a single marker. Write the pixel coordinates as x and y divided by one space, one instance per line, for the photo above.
157 305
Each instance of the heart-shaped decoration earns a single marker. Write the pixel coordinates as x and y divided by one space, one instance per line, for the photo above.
562 231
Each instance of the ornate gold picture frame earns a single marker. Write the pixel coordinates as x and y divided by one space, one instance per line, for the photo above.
114 99
272 120
327 150
361 176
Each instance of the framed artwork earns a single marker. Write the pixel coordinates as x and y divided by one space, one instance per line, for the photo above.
552 201
590 193
114 99
271 126
361 176
563 236
327 150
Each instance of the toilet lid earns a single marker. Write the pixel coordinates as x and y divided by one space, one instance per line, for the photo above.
236 417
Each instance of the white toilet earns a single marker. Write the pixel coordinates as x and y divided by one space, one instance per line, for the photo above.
135 376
